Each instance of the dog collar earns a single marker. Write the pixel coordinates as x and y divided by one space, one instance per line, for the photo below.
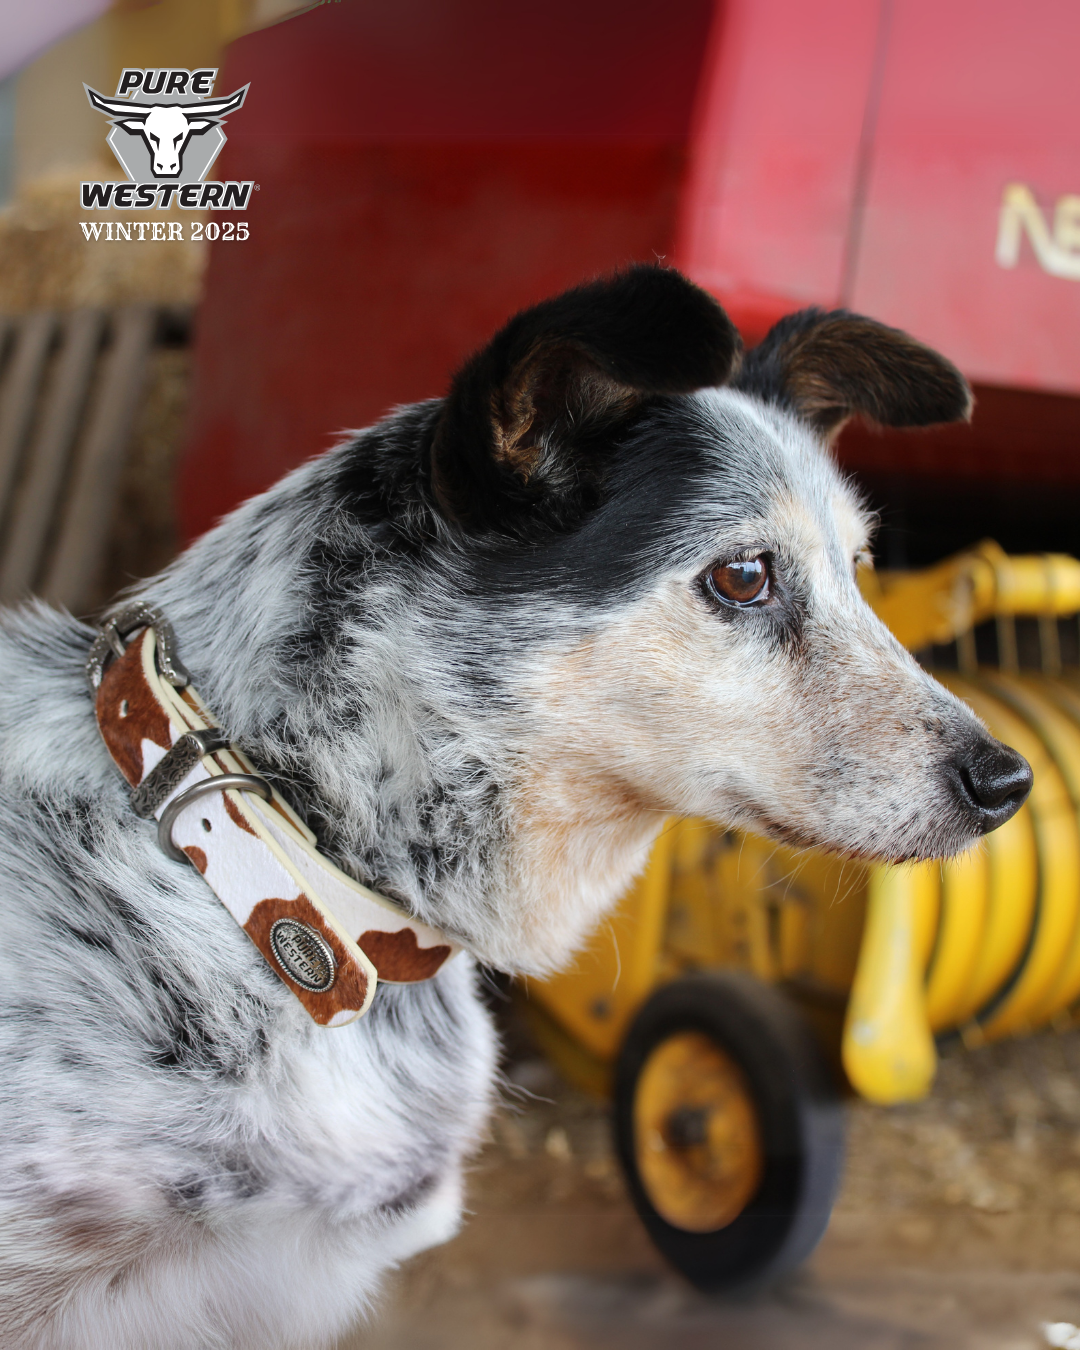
329 939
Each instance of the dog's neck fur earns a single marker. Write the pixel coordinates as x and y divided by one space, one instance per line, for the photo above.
400 750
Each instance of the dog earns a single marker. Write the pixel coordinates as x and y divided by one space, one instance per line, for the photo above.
483 649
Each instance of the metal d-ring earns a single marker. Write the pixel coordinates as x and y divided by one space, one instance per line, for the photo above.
245 782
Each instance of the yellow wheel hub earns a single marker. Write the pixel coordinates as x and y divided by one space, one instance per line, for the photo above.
697 1138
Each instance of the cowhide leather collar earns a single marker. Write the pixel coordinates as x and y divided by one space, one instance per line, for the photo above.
329 939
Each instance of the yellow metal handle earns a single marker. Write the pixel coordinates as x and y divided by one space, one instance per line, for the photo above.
888 1050
939 603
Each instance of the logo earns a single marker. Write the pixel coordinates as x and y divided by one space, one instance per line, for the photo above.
303 955
166 142
1056 250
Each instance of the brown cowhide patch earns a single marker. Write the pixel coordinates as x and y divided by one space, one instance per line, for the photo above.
128 713
236 815
197 856
398 957
350 985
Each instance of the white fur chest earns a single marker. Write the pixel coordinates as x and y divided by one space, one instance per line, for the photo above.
189 1160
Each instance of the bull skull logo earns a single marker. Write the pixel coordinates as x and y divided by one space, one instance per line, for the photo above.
165 131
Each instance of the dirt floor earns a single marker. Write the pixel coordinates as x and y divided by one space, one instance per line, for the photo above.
957 1228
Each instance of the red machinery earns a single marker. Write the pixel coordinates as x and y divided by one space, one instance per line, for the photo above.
426 168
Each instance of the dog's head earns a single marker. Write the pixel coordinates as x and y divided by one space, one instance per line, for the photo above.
658 531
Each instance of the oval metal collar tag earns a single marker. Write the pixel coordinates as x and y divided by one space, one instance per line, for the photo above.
303 954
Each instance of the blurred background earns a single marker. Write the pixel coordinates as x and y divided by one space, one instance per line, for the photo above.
422 169
425 168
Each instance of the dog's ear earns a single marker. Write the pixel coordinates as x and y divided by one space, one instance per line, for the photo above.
528 419
824 367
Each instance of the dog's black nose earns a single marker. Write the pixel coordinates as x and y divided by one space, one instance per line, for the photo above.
992 781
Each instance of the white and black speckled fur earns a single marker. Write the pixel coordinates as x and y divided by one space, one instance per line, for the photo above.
487 718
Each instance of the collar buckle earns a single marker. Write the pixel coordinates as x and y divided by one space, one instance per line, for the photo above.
120 625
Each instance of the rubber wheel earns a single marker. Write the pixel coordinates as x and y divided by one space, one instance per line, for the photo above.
729 1126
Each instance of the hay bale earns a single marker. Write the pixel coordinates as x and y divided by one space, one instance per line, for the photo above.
47 263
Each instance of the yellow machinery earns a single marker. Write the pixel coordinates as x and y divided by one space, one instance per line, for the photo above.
691 1005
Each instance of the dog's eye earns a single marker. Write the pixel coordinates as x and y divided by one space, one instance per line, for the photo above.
744 582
